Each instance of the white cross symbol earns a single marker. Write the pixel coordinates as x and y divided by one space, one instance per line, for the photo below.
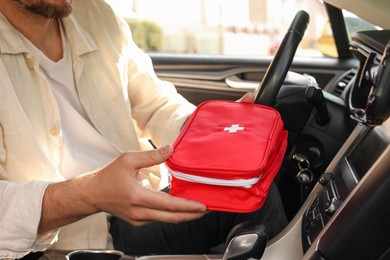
233 128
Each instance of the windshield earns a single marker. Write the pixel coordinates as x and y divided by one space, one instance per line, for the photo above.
354 24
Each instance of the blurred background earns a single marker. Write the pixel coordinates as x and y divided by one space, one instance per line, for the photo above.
228 27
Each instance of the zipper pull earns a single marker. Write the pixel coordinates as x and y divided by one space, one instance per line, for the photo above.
169 180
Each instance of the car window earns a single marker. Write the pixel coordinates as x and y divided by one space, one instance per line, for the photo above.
354 24
227 27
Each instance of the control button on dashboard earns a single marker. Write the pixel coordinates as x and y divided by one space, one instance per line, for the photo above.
325 178
333 206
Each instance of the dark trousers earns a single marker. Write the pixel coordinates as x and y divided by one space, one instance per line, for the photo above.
196 236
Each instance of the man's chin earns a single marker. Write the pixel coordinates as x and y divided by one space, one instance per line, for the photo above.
50 11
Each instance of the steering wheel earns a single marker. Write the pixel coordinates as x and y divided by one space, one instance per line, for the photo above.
274 77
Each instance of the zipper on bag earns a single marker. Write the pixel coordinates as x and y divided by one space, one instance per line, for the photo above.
246 183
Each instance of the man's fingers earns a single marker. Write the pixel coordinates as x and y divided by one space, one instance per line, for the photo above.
149 158
165 202
155 205
141 216
247 98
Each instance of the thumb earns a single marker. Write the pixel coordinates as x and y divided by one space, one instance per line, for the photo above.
149 158
247 98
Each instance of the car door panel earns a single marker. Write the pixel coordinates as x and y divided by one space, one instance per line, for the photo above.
199 78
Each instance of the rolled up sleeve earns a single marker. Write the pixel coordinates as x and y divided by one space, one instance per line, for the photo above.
159 110
20 212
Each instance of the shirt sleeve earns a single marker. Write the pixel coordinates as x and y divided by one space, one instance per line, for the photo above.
158 109
20 212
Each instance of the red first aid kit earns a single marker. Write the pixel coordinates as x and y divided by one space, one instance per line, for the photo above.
227 155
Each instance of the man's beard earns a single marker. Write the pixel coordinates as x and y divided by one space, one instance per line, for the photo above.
48 10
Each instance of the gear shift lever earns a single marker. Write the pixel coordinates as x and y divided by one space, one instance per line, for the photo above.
246 241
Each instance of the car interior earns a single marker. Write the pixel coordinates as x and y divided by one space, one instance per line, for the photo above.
335 177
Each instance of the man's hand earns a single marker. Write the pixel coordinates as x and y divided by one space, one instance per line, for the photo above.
247 98
135 203
116 189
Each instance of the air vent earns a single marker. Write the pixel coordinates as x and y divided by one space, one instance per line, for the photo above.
344 82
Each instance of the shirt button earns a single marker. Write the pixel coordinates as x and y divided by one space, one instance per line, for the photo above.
54 132
30 63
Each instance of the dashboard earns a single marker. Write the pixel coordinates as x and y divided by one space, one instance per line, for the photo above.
347 216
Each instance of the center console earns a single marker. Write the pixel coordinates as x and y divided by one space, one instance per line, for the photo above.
346 218
337 185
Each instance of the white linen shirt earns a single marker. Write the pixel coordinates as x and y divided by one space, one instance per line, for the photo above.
120 93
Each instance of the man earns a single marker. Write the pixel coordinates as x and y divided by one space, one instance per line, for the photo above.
76 94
